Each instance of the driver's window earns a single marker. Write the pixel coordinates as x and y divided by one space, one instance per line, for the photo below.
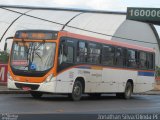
62 54
66 53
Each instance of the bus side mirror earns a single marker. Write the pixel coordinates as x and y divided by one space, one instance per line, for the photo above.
5 47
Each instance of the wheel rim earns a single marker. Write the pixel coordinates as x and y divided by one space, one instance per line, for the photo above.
77 90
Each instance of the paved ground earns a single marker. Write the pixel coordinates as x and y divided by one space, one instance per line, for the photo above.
17 104
25 104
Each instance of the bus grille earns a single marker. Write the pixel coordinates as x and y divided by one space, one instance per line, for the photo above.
21 85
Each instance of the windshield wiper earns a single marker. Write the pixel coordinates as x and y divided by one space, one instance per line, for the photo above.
31 51
26 50
35 50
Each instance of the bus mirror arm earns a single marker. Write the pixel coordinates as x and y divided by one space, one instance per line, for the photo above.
5 46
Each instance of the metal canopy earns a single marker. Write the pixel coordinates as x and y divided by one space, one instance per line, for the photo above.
100 24
87 22
62 9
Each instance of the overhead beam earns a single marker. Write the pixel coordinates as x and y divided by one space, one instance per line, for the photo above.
62 9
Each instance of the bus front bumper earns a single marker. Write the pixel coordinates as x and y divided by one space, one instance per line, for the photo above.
42 87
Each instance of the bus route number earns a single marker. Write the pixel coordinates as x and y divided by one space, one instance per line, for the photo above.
144 13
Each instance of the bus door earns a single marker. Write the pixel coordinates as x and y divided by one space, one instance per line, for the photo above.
95 70
66 60
110 76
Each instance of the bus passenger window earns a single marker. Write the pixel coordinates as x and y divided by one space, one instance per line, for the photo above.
150 61
143 60
93 53
119 57
132 58
108 55
81 52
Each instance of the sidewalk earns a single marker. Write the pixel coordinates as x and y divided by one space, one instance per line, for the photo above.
5 90
153 92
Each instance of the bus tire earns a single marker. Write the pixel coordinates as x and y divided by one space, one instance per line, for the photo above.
77 91
36 94
128 91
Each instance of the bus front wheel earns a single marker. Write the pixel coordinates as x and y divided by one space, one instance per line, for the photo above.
77 91
36 94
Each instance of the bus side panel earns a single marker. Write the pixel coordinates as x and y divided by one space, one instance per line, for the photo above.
90 82
114 80
66 79
93 78
144 83
107 80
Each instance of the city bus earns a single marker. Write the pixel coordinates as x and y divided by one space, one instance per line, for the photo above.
61 62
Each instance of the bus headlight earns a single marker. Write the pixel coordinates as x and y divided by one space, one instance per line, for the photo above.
48 79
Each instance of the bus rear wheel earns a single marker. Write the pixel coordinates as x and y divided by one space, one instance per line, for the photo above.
77 91
36 94
127 93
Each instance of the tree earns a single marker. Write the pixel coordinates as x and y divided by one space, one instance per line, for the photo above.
4 56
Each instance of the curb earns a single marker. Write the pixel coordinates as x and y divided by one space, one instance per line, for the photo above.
150 93
5 90
13 92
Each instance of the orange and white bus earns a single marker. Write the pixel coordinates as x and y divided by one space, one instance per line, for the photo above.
45 61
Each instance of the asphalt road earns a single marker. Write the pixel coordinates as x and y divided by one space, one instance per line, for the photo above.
48 104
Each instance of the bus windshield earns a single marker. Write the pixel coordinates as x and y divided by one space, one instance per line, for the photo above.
33 56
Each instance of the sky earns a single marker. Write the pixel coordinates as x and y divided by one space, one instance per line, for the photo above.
114 5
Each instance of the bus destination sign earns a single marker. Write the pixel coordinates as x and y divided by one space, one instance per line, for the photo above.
33 35
150 15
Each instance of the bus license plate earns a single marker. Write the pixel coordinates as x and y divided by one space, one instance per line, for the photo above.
26 88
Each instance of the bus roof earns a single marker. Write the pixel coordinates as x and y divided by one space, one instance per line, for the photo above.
110 42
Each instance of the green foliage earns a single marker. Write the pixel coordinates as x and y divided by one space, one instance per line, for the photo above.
157 71
4 56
